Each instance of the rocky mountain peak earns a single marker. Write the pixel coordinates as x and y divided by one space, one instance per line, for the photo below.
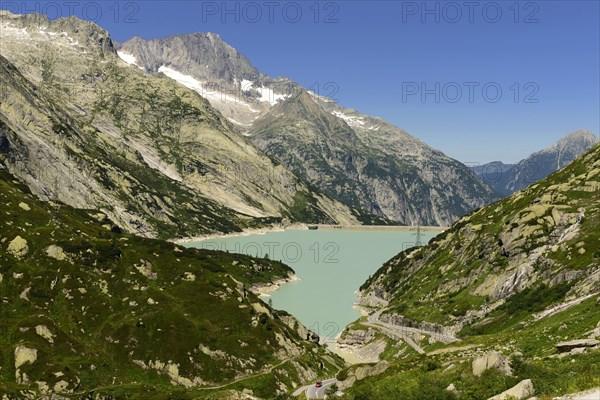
581 134
202 55
298 102
509 178
577 141
82 33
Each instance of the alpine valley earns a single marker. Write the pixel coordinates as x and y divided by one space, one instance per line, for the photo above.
361 161
112 155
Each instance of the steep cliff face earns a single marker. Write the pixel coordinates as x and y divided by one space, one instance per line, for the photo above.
83 127
362 161
507 179
205 55
205 63
88 311
368 163
534 249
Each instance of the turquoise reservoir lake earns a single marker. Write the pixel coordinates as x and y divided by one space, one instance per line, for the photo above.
331 265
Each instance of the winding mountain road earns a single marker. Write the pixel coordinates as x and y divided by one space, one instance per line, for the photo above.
313 392
404 333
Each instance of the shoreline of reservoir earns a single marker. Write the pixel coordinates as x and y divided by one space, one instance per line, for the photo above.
302 226
320 254
245 232
401 228
264 290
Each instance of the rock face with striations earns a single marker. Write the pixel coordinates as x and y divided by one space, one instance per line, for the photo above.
202 55
362 372
79 125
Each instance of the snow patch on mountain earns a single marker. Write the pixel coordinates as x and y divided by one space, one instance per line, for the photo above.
128 58
246 85
201 88
186 80
12 31
216 98
266 95
351 120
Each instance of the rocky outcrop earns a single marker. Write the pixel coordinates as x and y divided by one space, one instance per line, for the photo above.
592 394
491 360
451 388
56 252
361 372
523 390
565 347
299 328
400 320
44 332
362 345
352 337
18 247
23 355
145 268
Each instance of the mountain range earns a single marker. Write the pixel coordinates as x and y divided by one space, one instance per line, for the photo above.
80 126
507 179
107 149
361 161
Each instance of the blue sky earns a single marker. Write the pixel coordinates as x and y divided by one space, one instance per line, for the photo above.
384 55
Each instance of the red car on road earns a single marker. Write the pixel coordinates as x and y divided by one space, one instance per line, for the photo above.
318 384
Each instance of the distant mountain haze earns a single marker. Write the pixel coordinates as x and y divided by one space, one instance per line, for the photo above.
509 178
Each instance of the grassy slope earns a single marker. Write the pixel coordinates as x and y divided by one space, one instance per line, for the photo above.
415 285
425 377
96 304
448 270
